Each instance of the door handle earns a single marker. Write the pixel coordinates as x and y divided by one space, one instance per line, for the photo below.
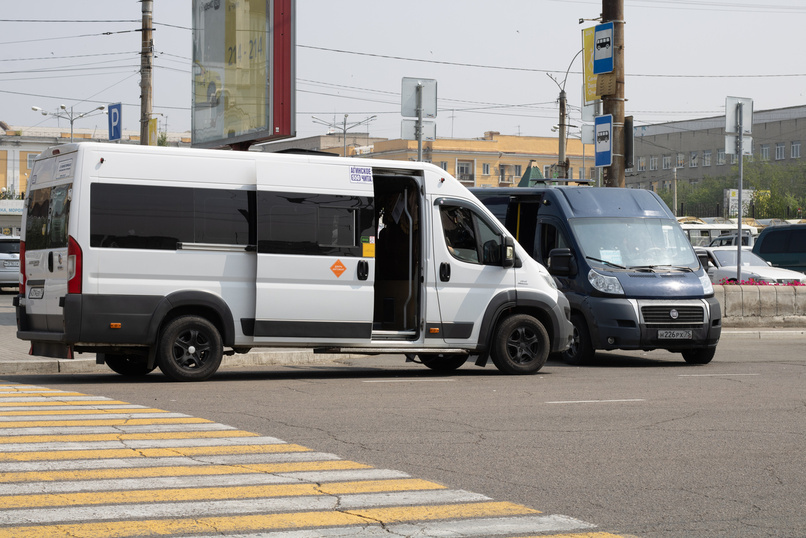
50 261
363 269
445 272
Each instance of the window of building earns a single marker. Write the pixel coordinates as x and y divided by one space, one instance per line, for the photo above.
779 151
706 157
518 171
765 152
443 165
720 157
693 158
653 162
681 160
667 162
642 164
485 169
794 150
734 158
546 170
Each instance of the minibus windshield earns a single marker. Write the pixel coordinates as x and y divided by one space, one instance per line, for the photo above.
634 242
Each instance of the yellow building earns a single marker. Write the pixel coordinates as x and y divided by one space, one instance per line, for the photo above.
493 160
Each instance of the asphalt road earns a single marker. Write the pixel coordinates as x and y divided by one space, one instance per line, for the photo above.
637 444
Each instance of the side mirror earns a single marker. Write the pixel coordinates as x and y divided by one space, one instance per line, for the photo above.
507 252
561 262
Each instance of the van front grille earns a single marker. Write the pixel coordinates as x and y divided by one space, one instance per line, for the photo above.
673 315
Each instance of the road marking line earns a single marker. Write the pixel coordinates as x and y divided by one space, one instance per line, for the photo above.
714 375
441 380
596 401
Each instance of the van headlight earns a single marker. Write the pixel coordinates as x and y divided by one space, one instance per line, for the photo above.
605 284
707 287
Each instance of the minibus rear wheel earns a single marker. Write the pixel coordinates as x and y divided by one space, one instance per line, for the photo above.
190 349
520 345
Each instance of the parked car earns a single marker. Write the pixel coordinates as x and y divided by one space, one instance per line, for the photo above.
721 267
725 240
9 261
783 246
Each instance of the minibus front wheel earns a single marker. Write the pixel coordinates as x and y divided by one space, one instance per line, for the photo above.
190 349
520 345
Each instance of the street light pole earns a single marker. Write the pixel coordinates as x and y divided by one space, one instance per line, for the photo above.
68 115
344 127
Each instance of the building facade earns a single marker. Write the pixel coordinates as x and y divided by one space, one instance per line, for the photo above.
492 160
695 149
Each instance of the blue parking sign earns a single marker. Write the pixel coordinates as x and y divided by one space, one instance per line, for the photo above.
115 121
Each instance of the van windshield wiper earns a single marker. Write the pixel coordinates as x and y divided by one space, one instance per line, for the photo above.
683 268
611 264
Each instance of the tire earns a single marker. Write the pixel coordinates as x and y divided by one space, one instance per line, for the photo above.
443 362
701 355
128 365
581 349
190 349
520 345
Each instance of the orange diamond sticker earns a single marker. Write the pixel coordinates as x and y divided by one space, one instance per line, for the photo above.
338 268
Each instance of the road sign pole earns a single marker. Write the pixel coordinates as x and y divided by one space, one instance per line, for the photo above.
739 140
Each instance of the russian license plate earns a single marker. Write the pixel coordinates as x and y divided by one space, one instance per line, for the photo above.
674 334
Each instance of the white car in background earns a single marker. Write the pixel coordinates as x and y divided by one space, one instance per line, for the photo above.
721 267
9 261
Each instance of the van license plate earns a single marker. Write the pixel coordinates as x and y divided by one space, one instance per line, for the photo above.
36 293
673 334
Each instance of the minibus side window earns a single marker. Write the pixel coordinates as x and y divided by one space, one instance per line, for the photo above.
314 224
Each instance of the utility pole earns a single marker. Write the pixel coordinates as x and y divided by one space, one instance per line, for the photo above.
563 162
613 11
146 60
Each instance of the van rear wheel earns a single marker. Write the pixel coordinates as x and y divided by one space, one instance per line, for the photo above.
520 346
190 349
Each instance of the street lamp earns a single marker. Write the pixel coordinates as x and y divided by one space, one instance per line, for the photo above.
68 115
344 127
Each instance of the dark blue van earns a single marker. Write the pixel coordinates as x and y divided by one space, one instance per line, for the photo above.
629 272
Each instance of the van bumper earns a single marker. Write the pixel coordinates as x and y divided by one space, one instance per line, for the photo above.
618 323
111 320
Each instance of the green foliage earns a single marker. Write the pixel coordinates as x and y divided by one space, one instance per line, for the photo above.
780 190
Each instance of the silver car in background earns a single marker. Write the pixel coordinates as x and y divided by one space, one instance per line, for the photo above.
721 268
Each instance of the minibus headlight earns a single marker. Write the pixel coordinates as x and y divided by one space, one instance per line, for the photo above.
707 287
605 284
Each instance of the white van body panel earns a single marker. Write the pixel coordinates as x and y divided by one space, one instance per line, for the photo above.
272 250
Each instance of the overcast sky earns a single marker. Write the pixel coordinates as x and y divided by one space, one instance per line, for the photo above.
498 65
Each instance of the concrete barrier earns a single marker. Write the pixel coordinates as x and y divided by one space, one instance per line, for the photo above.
762 306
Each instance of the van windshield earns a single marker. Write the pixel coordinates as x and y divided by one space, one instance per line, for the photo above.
633 242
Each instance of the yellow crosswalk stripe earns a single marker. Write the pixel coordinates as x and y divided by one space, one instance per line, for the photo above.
290 520
149 452
94 437
214 493
189 470
104 422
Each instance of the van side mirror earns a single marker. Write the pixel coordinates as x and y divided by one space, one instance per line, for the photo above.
561 262
507 252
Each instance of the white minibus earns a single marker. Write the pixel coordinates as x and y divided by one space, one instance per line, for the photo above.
172 257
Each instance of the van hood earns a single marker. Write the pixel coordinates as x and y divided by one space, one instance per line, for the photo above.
659 283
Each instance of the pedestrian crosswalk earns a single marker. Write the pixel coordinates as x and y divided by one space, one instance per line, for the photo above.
76 465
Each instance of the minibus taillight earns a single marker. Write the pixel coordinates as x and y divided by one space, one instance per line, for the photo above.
73 266
23 279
